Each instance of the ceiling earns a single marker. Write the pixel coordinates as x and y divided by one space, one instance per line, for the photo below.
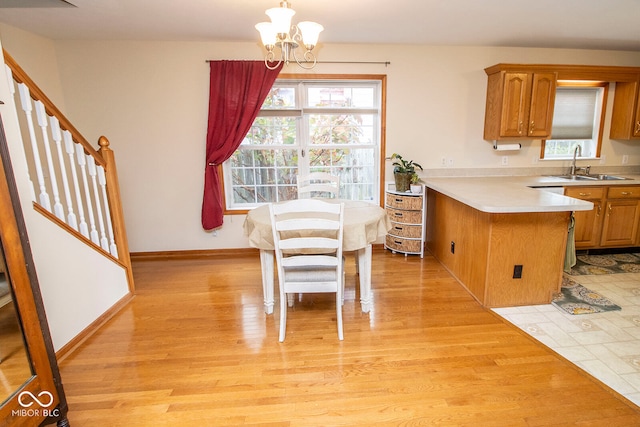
580 24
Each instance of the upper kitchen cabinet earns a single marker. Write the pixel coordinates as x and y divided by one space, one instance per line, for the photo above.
521 98
625 117
519 104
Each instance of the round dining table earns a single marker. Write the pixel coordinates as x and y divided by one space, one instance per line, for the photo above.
364 224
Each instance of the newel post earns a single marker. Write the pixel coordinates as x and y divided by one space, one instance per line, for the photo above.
115 206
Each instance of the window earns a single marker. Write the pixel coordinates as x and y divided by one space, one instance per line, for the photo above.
577 120
309 126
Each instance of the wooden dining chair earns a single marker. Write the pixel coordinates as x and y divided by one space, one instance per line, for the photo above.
318 184
307 236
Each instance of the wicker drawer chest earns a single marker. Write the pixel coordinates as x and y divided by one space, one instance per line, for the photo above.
407 214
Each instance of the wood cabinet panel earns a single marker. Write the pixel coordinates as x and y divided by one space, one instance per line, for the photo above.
620 226
625 117
614 220
519 105
481 249
588 224
543 95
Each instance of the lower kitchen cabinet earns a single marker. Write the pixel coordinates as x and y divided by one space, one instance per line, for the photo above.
621 216
614 220
407 214
588 224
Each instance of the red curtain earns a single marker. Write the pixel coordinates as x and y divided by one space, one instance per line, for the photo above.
236 93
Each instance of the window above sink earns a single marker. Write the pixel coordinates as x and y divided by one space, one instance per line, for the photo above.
578 117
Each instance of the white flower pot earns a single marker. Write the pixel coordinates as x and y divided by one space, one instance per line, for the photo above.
416 188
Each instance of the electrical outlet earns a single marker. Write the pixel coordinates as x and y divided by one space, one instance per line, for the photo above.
450 163
443 161
625 159
505 160
517 271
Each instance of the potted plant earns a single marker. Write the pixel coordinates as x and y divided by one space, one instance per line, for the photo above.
403 171
416 187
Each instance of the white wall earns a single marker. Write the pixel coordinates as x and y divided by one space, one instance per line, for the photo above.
77 284
150 100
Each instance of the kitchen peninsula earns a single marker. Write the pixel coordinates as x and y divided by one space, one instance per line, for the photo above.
503 240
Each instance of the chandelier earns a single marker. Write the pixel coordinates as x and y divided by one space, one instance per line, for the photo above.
276 35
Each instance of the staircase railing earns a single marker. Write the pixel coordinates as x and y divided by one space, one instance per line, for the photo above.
76 186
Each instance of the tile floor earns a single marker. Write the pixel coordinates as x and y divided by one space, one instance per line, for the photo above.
607 345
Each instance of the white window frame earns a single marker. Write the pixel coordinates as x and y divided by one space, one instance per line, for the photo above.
589 148
302 114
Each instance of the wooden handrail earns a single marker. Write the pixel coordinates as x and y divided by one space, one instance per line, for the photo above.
103 157
37 94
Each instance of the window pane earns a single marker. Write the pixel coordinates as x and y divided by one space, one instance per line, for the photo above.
280 97
340 129
574 113
355 167
341 97
272 131
262 176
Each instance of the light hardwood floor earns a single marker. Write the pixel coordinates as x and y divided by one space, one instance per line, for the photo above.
194 348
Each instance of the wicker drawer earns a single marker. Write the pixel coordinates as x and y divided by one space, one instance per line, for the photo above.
626 192
585 192
403 230
404 202
403 245
405 217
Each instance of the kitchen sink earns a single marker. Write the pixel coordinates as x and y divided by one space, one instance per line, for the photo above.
577 177
603 177
594 177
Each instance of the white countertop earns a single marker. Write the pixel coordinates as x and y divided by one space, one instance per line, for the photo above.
515 194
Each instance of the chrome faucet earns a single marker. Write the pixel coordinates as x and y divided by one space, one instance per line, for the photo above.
575 155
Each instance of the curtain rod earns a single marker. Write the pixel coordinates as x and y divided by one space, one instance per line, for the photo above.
385 63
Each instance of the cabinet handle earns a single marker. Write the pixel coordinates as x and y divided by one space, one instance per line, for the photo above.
531 127
585 194
398 214
520 127
637 127
399 200
398 228
599 209
609 211
626 193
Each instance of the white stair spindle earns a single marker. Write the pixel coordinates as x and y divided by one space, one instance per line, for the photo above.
42 122
104 243
102 180
69 148
57 137
12 89
25 99
82 161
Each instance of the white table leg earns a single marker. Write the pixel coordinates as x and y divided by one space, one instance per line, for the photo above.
364 270
266 262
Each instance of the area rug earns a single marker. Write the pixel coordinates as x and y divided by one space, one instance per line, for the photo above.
576 299
606 264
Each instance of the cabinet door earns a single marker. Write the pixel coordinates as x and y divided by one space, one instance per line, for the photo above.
515 104
620 225
636 124
543 95
625 116
586 230
588 224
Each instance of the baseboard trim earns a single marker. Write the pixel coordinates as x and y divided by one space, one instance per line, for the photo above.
206 253
87 332
193 254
